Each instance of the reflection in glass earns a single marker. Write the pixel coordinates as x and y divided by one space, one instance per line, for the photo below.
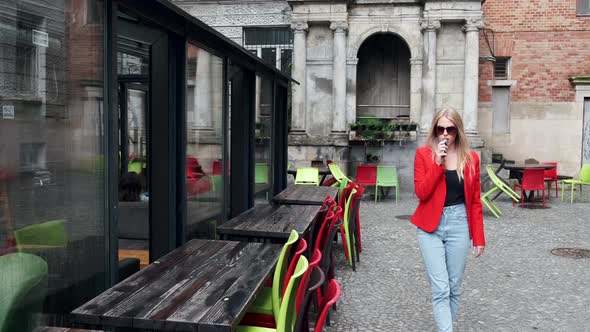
51 159
262 183
133 84
204 151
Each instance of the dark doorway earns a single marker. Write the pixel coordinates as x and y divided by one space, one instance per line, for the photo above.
383 77
145 129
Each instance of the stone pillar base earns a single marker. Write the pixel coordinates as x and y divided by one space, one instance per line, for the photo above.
297 132
475 141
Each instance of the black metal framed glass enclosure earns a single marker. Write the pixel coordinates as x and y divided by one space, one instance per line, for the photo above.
129 128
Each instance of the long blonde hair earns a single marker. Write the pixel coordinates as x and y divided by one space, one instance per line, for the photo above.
461 144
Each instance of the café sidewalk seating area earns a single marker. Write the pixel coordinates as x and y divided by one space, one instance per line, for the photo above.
272 268
286 263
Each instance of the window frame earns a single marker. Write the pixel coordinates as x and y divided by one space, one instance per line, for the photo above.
508 69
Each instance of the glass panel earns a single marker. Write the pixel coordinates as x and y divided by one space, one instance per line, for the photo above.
264 99
133 69
286 59
268 36
204 152
132 57
52 189
583 7
269 55
134 189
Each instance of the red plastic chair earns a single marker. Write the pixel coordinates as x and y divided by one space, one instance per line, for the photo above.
330 298
217 167
193 168
301 248
324 244
551 176
532 180
366 175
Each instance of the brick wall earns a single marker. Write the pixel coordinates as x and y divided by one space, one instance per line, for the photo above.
547 43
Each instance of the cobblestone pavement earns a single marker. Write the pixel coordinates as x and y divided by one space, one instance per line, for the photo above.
516 285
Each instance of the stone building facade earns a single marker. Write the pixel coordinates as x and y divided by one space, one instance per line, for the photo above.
527 96
374 58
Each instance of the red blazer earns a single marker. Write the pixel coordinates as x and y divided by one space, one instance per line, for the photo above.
431 189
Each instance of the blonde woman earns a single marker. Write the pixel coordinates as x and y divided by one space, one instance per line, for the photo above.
449 214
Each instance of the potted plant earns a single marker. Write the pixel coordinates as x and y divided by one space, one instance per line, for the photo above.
354 131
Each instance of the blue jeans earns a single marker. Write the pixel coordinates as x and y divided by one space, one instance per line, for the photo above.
445 252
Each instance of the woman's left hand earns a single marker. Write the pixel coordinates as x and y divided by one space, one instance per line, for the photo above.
478 250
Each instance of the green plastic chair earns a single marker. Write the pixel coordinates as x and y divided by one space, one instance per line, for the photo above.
348 236
269 299
216 182
386 177
308 176
287 315
23 288
261 173
337 173
498 185
50 233
584 180
135 167
343 185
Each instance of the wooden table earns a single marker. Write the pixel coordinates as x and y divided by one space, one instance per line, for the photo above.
269 222
323 172
305 195
204 285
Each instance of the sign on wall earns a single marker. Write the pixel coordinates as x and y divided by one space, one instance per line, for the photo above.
40 38
8 112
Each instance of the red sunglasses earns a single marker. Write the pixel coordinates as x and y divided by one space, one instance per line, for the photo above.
450 130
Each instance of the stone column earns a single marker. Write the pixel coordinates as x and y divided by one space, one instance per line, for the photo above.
339 78
351 90
471 81
429 28
415 89
298 73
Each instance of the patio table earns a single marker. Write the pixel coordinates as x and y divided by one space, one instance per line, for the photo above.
516 171
269 222
305 195
204 285
323 171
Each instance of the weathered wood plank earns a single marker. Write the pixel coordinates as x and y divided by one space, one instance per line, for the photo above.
205 285
93 311
227 310
201 283
167 284
272 222
305 195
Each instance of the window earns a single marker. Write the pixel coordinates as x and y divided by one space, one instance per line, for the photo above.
93 12
502 68
32 156
273 45
584 7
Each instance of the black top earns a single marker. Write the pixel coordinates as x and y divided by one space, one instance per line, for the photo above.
455 192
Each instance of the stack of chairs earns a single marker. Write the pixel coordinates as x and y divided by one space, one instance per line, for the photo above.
299 280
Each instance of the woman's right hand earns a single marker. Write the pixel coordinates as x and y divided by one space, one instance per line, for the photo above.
441 152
